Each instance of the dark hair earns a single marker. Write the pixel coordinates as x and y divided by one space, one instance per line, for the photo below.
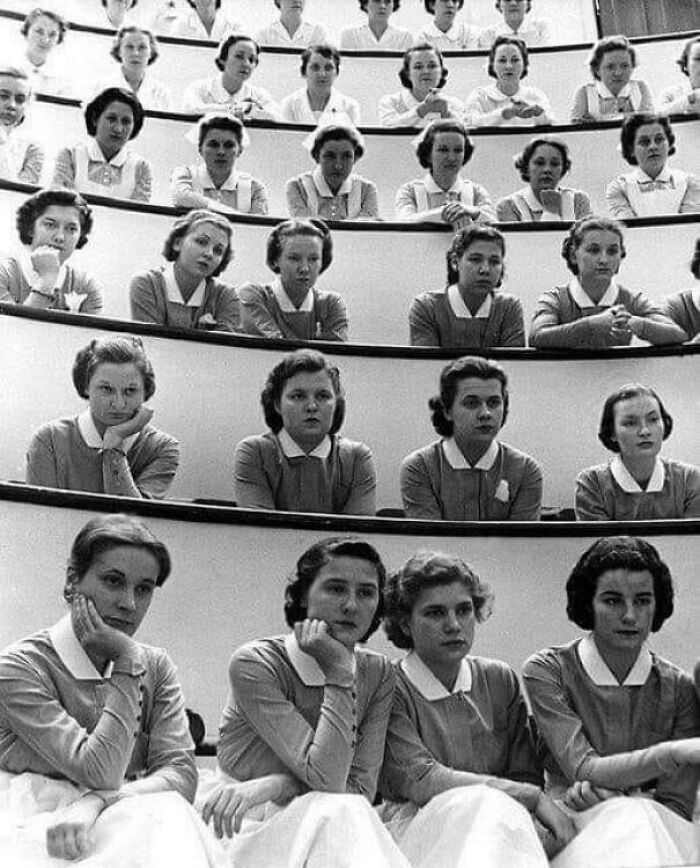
116 350
219 121
695 261
217 4
529 5
314 559
37 12
97 105
228 43
606 431
574 237
404 72
685 55
522 159
363 5
614 553
508 40
33 207
106 532
430 5
133 28
424 150
133 3
184 224
289 228
336 132
606 44
422 571
463 241
325 50
450 376
633 122
299 362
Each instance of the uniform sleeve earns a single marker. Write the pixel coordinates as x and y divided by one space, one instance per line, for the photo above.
657 328
677 789
527 502
182 190
296 199
157 476
392 115
352 109
40 466
541 98
483 201
287 109
5 283
196 98
419 498
582 205
671 104
362 499
268 110
252 487
579 111
476 115
507 212
93 303
64 169
547 331
258 198
422 324
647 104
228 310
142 300
405 204
143 182
691 501
617 201
256 317
334 321
32 165
371 736
590 499
513 325
691 200
674 310
369 209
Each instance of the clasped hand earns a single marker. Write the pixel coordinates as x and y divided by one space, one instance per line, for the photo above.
46 262
521 108
71 836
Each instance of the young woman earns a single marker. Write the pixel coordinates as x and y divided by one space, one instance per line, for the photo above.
332 190
620 723
444 31
21 159
685 98
443 195
470 312
647 141
111 447
593 310
214 183
508 102
135 49
423 75
185 293
542 164
302 464
318 102
460 778
93 730
377 34
468 475
205 19
516 21
51 225
104 164
43 31
613 92
298 251
684 307
290 30
637 484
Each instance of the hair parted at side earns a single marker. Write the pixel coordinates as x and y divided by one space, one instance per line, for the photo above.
219 121
185 224
40 11
98 104
499 5
606 431
576 234
227 44
330 52
364 3
33 207
450 376
430 5
522 160
123 32
606 44
507 40
286 229
115 350
632 123
405 71
463 240
424 149
334 133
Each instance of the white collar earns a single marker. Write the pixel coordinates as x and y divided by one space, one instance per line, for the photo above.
220 93
430 687
90 435
323 188
408 99
583 299
304 664
172 290
30 275
203 176
629 484
599 672
95 154
452 35
285 302
457 461
72 653
459 306
605 93
493 93
433 187
641 177
292 449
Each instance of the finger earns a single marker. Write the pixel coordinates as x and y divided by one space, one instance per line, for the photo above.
230 815
207 809
82 841
216 815
70 847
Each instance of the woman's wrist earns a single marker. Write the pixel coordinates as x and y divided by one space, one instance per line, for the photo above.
42 292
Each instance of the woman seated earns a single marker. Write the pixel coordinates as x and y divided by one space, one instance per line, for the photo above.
470 312
291 307
619 723
332 190
443 195
593 310
613 92
44 30
647 141
51 225
517 22
318 102
302 464
377 34
460 777
213 182
684 307
290 30
229 90
542 164
92 723
684 98
205 19
637 484
104 164
21 158
507 102
121 13
185 294
302 733
135 49
444 31
468 475
423 75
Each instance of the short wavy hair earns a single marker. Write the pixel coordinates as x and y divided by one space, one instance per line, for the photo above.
695 261
450 376
628 133
227 44
423 571
333 133
115 350
606 430
97 105
330 52
508 40
430 5
404 72
463 241
183 225
33 207
219 121
522 159
299 362
37 12
314 228
606 44
685 55
614 553
424 149
123 32
529 5
577 231
314 559
364 3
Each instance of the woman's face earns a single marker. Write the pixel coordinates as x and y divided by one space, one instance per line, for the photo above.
623 610
345 594
638 427
58 227
598 256
291 7
241 61
513 12
481 267
299 263
114 127
306 406
14 96
445 13
320 72
135 52
477 410
508 64
42 37
336 159
442 624
115 393
424 70
201 250
616 69
545 168
447 155
651 148
379 11
694 65
219 150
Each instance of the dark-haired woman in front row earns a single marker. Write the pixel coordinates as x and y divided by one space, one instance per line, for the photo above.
96 759
621 725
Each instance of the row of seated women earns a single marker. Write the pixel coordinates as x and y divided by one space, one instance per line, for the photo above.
591 311
93 731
